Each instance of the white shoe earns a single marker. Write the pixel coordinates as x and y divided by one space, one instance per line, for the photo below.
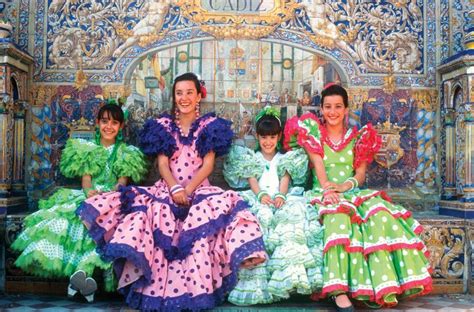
85 285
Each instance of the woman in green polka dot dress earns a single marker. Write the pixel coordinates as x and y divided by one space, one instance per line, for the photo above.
372 251
54 242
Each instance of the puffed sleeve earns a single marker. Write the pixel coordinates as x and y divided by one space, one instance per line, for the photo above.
240 164
215 135
367 145
130 162
295 162
156 138
81 157
304 132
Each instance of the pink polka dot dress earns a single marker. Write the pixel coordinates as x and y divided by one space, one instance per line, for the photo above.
169 257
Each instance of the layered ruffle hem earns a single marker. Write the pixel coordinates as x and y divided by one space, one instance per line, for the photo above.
171 258
372 249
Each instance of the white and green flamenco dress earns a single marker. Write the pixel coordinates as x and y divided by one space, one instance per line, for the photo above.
292 233
54 242
372 250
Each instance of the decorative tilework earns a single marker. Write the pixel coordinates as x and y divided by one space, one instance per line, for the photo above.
406 33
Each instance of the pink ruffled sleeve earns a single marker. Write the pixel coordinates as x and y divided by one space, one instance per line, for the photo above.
303 132
367 145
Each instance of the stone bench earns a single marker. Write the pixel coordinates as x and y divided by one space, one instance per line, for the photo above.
448 239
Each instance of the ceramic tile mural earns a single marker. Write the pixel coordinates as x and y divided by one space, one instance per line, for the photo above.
240 76
245 70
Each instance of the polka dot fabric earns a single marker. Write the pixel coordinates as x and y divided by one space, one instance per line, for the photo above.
167 257
292 233
54 242
371 246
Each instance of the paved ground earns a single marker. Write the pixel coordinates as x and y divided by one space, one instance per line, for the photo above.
26 303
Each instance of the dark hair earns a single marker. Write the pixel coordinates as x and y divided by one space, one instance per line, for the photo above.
335 90
114 111
268 125
185 77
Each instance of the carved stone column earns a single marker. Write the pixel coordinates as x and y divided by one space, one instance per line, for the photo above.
449 145
458 136
6 138
15 69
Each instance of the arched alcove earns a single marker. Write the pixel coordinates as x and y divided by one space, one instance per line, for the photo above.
241 76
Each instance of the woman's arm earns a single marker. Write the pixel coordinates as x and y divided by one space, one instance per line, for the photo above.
280 199
319 168
121 181
284 183
346 185
179 197
265 198
360 172
87 186
330 192
202 173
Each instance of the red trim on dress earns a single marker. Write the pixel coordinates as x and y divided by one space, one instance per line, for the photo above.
378 297
393 247
367 145
360 199
291 128
418 229
396 215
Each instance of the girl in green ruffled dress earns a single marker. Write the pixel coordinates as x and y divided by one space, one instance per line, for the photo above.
291 231
54 242
372 251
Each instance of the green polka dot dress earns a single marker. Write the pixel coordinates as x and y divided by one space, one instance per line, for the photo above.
371 246
292 233
54 241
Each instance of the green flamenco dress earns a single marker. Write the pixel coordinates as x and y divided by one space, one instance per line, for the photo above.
372 250
54 242
292 233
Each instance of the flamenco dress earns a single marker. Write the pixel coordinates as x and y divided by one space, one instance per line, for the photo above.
372 249
292 233
169 257
54 242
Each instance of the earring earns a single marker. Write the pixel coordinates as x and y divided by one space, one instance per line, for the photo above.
197 110
346 120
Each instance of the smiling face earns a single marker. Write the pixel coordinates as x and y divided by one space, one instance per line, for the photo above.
268 143
186 97
334 111
109 128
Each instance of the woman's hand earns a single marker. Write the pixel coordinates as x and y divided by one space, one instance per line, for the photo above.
339 188
189 191
278 202
91 193
117 186
331 197
181 198
266 200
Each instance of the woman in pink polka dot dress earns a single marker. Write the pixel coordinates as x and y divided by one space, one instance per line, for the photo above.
178 244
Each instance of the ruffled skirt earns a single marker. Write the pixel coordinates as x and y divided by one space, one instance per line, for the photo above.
293 240
173 258
55 243
372 249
